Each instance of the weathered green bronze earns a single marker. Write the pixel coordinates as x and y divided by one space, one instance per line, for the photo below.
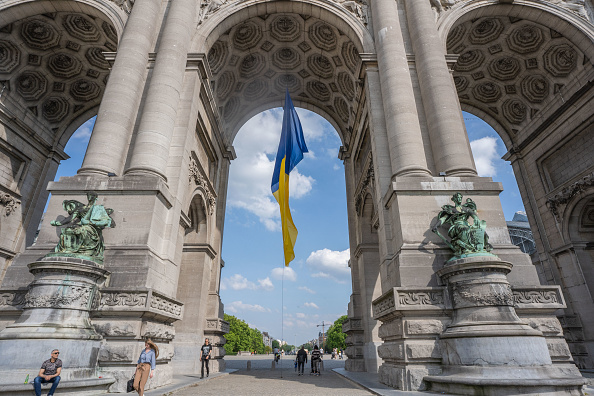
466 239
83 237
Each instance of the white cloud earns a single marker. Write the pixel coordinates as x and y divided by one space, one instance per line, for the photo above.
290 274
266 284
306 289
485 154
311 305
251 173
330 264
239 306
300 315
84 131
239 282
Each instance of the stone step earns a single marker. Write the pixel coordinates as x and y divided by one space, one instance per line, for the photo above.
82 387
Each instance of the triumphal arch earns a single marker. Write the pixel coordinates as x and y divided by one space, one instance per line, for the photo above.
172 82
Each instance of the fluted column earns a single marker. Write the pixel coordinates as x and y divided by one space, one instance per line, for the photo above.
108 146
405 141
451 149
151 148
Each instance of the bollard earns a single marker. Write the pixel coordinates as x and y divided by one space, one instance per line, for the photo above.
273 367
249 365
321 365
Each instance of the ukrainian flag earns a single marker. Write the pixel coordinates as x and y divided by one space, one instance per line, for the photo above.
290 151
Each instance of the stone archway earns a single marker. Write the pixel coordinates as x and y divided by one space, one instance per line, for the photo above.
53 76
527 71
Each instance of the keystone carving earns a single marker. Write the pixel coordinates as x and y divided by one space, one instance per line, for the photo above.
201 181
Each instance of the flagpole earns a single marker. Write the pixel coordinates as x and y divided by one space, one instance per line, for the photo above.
282 319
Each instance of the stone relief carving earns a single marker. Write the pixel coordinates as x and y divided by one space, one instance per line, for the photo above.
384 305
11 204
420 298
535 297
576 6
480 295
201 181
74 297
125 5
209 7
217 325
365 186
123 299
567 193
12 299
165 305
358 8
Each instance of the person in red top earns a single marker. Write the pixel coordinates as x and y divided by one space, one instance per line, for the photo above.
49 372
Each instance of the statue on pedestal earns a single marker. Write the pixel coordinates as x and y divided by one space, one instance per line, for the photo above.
83 236
466 238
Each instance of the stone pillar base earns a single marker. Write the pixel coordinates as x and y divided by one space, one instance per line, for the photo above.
55 316
487 349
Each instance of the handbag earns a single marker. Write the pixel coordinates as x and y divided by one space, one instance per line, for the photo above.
130 384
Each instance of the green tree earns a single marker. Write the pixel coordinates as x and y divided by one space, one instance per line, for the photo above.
336 338
287 348
241 337
275 344
267 349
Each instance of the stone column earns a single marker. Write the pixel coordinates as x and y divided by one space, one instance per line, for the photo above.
402 120
451 149
151 148
115 121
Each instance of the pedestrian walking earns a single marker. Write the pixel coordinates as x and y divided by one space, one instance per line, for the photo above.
205 351
145 367
316 358
49 372
301 360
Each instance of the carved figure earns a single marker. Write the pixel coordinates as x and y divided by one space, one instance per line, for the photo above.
357 7
83 236
208 7
466 238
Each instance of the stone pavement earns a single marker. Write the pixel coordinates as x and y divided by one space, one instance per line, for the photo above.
261 380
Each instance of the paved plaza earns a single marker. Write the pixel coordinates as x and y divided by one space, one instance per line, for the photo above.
261 380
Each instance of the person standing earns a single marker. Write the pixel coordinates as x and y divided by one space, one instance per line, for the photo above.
205 351
145 367
301 360
49 372
316 358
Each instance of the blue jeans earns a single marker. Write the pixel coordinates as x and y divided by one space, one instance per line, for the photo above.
39 380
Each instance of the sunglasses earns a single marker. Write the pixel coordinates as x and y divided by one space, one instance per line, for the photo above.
55 353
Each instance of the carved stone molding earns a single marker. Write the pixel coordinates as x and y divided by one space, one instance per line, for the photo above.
125 5
72 296
11 204
216 325
538 297
352 325
147 300
410 299
365 185
195 175
567 193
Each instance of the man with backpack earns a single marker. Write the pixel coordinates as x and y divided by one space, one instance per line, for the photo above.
301 360
316 358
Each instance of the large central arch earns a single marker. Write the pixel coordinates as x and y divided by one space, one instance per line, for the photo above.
391 77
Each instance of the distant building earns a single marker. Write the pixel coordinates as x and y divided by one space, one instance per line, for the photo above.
266 339
520 233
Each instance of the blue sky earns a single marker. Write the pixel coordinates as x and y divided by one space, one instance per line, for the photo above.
317 284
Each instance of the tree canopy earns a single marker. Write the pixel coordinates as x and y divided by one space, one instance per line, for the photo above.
242 337
335 336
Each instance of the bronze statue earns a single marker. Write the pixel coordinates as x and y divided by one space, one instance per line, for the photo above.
83 236
466 238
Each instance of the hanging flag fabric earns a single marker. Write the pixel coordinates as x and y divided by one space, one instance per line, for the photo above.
290 151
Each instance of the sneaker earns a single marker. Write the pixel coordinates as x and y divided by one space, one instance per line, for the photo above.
207 375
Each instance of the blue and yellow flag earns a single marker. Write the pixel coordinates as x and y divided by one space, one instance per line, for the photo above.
290 151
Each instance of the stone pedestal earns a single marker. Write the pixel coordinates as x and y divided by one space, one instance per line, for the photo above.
55 316
487 349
